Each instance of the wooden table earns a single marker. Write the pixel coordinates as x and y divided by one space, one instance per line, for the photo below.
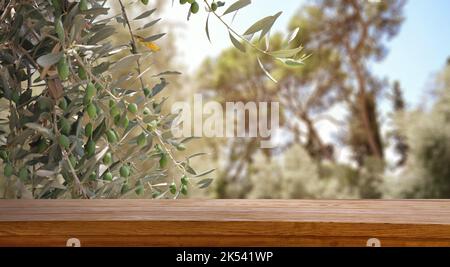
224 222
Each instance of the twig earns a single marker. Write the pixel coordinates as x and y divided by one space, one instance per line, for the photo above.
235 33
77 180
133 42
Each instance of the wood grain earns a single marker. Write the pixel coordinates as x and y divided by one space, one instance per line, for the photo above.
225 222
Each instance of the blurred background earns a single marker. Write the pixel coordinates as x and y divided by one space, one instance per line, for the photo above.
367 116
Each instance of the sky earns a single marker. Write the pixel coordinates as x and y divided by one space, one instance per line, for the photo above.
415 54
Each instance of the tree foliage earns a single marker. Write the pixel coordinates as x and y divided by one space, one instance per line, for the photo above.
78 116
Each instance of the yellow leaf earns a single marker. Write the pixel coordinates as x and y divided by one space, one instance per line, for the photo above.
150 45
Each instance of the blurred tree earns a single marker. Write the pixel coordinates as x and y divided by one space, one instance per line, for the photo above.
235 78
428 168
401 145
346 35
342 37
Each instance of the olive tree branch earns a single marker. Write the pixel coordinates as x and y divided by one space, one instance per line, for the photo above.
133 41
235 33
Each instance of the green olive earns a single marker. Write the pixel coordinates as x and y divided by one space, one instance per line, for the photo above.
132 108
163 161
114 111
139 188
88 130
117 119
90 148
65 126
142 139
107 159
184 189
125 122
4 154
86 100
91 91
82 73
63 68
194 8
173 188
23 173
147 91
64 141
59 28
124 171
184 180
83 5
111 136
214 6
63 104
92 111
145 2
108 176
8 170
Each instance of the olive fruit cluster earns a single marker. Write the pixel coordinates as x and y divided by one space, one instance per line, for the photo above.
183 187
9 170
194 5
215 5
23 172
194 8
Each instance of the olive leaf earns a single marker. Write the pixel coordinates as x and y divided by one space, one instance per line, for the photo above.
293 35
145 14
286 53
207 29
148 25
159 87
204 183
205 173
154 37
125 62
49 59
237 44
261 65
236 6
264 25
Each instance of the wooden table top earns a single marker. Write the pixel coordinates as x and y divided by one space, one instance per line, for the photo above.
335 211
